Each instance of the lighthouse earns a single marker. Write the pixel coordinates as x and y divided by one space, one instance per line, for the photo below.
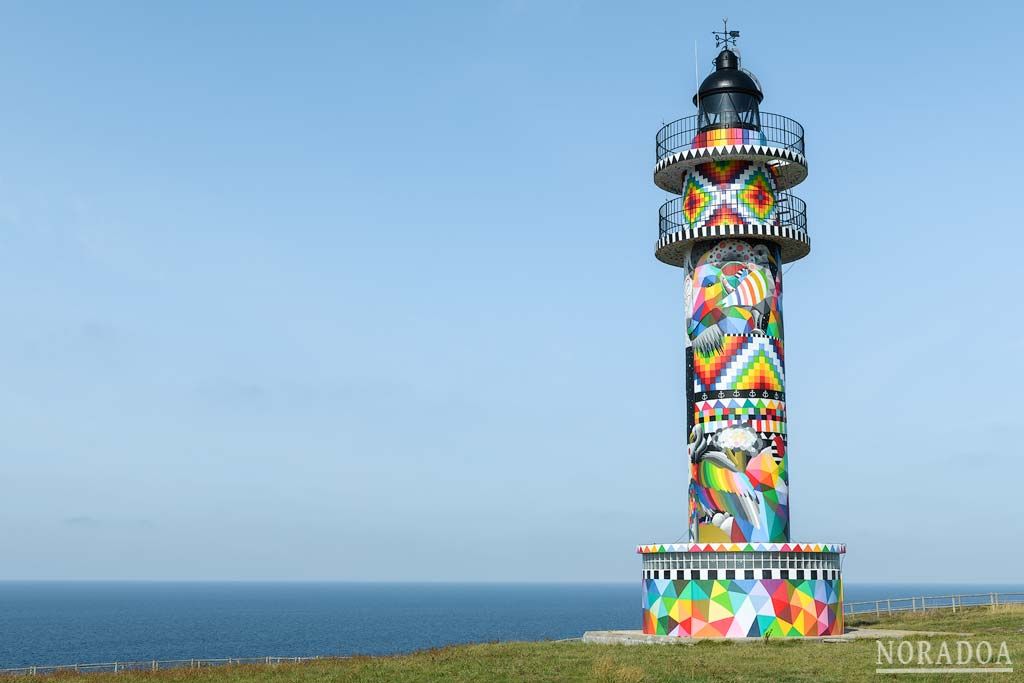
731 228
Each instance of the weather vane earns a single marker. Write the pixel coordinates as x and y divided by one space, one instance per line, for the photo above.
725 38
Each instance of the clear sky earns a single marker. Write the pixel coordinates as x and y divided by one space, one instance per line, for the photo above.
367 290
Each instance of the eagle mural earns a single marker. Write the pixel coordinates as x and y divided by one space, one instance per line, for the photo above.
732 290
729 472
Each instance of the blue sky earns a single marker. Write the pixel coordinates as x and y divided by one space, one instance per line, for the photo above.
367 291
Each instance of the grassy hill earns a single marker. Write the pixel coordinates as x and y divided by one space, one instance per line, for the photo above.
774 660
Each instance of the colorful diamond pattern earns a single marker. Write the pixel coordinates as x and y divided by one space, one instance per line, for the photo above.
696 200
758 196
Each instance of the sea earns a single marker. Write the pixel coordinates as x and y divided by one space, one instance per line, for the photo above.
45 623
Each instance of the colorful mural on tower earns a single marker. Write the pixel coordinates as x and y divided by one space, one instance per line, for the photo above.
742 607
739 485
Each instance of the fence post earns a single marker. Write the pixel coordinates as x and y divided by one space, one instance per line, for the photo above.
888 603
954 604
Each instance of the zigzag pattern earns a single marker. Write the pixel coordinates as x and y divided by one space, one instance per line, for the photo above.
731 150
740 548
795 243
669 169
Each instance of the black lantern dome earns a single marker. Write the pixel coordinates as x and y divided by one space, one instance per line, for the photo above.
729 96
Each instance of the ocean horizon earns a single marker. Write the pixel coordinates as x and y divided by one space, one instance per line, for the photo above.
69 622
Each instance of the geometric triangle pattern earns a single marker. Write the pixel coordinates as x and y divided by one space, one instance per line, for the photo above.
743 608
723 214
707 367
761 371
743 363
724 171
654 548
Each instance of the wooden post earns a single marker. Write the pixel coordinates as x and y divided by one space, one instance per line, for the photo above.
888 602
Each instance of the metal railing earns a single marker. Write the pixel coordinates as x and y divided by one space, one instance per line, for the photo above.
931 602
154 665
790 211
778 131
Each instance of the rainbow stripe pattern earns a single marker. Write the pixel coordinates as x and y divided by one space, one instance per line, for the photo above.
721 137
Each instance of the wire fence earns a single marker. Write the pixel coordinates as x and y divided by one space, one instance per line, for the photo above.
862 607
925 603
154 665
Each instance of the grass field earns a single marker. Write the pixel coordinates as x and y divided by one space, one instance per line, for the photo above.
774 660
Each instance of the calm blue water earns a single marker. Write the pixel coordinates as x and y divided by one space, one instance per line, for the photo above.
60 623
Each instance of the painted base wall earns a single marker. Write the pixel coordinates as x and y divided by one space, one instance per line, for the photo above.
743 607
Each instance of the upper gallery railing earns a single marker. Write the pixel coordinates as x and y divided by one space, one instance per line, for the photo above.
790 211
681 135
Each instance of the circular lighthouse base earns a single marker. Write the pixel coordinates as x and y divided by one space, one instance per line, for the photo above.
742 590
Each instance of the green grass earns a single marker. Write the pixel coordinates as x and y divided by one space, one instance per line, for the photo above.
775 660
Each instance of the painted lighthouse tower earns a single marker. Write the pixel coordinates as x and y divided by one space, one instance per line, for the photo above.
731 229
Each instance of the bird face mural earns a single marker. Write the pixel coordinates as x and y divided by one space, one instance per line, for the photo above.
732 290
730 471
